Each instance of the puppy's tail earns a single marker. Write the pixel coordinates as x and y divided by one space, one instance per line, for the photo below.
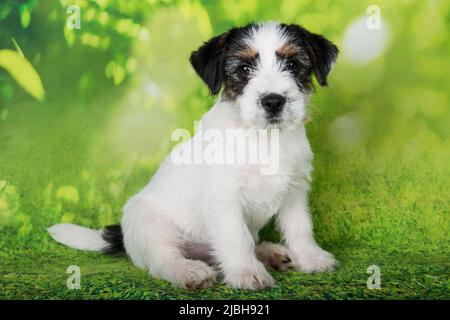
106 240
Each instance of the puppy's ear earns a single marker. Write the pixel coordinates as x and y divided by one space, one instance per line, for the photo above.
208 62
322 53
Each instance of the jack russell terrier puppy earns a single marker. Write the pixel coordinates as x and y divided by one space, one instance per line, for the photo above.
193 222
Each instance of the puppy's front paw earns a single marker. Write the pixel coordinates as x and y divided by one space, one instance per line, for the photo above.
195 274
316 260
253 279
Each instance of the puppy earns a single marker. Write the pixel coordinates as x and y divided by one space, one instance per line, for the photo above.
195 221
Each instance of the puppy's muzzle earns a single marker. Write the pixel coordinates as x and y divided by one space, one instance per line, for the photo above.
273 103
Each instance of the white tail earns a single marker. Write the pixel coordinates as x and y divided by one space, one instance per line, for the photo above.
78 237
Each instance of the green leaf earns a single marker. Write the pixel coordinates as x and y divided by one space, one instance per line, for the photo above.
25 16
23 73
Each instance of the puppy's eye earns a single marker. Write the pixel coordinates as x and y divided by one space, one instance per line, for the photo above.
291 65
244 69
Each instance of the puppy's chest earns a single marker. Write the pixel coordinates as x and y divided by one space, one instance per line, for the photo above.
258 191
264 193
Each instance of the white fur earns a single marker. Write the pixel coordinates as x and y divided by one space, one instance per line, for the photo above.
269 77
226 205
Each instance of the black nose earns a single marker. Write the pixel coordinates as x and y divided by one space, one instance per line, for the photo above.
273 103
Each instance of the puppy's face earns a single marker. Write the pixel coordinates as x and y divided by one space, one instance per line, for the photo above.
266 70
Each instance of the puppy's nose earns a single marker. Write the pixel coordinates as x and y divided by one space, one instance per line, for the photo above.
273 103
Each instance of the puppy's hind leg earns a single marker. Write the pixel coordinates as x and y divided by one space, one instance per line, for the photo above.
199 251
152 243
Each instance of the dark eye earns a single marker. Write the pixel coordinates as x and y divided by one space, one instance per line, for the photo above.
291 65
244 69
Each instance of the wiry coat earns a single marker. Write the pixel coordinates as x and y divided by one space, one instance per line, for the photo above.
195 220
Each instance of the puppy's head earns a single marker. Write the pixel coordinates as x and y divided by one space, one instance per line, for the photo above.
266 70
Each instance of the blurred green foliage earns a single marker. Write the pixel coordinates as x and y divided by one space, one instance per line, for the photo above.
116 88
23 72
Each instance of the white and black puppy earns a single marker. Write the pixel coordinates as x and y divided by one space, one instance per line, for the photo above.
193 222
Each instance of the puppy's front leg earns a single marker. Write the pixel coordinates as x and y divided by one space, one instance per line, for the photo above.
296 226
234 247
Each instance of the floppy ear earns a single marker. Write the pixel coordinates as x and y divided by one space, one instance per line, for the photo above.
208 62
323 54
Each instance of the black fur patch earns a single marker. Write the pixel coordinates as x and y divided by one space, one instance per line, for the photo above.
208 62
303 72
113 235
322 53
215 61
234 81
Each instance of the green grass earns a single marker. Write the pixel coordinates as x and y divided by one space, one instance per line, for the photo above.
27 274
394 216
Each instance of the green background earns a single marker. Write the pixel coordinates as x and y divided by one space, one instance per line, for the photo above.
116 88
